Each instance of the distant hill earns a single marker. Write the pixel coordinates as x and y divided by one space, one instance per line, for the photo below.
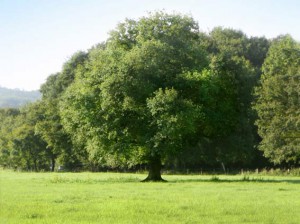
16 97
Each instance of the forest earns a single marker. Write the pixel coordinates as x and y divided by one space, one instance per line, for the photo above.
161 94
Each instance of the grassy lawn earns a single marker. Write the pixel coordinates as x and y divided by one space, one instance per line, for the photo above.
121 198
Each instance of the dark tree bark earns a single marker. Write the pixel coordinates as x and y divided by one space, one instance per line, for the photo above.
52 164
35 165
154 167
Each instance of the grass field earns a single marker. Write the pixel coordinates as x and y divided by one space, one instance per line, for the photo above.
121 198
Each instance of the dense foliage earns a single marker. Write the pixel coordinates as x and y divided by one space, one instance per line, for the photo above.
278 102
160 92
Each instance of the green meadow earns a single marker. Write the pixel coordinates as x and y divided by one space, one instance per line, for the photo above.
122 198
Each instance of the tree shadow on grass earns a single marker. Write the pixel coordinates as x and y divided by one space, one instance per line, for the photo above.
216 179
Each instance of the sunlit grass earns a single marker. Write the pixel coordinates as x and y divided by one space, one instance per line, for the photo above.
122 198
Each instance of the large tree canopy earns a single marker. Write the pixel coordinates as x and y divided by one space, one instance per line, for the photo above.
151 91
134 100
278 102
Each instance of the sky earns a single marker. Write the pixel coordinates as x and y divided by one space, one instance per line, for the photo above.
38 36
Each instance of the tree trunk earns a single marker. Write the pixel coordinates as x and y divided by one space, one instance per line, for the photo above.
52 164
35 165
223 167
154 169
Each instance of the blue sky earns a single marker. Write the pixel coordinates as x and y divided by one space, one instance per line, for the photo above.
38 36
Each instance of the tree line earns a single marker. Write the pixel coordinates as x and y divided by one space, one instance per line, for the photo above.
159 92
14 98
